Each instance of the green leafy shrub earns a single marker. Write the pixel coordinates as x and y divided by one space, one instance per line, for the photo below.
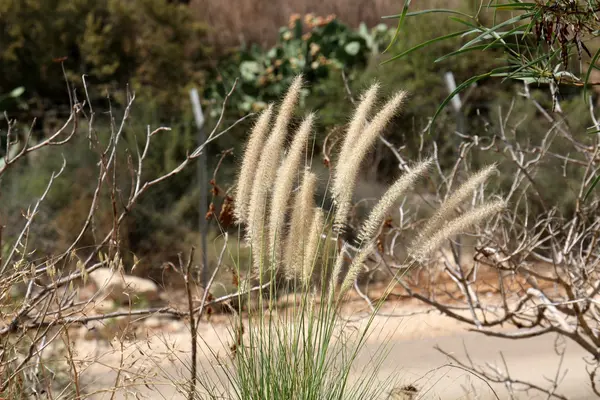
535 42
153 45
13 95
417 73
313 46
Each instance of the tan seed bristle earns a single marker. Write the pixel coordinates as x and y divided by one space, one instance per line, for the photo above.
248 168
420 251
383 207
282 190
349 165
449 206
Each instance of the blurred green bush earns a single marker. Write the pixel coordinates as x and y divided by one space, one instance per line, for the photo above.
311 45
158 49
154 46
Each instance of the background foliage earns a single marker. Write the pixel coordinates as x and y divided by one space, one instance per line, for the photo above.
314 46
153 46
160 49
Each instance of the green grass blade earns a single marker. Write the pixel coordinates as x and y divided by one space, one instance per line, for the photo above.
591 188
472 48
513 32
459 89
424 44
513 6
431 11
471 25
588 74
492 31
400 23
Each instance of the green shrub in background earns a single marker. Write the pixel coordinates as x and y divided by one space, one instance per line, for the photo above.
153 45
156 47
153 48
541 42
313 46
8 100
417 73
13 95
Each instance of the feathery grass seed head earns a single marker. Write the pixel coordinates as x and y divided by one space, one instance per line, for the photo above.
356 266
335 274
447 208
422 249
266 172
312 248
383 207
349 164
359 119
300 225
282 190
287 109
249 162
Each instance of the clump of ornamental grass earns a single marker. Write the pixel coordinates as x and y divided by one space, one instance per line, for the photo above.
294 351
247 170
300 223
348 167
282 190
269 160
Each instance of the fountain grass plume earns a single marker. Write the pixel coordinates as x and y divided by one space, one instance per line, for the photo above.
355 267
311 252
449 206
422 249
357 125
265 176
284 183
389 199
299 224
251 158
349 164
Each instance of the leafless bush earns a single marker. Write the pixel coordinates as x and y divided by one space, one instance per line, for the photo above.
535 267
35 321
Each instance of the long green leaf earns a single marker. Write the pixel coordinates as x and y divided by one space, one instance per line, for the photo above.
472 48
588 74
493 44
466 23
424 44
492 31
591 188
513 6
431 11
458 89
400 23
593 131
513 32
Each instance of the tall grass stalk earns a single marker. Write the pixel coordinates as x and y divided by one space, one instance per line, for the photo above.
299 348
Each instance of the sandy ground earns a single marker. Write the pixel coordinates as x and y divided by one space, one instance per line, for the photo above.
411 359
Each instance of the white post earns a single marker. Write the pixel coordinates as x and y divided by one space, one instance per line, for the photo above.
202 183
460 126
455 102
